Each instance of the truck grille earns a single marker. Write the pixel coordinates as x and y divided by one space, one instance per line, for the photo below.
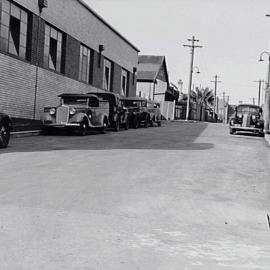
246 120
62 115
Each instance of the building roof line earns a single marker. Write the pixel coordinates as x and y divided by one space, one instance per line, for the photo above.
107 24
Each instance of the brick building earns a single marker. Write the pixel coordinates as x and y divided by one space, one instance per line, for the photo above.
55 46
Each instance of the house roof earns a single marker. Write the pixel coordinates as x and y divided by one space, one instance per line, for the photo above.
149 67
107 24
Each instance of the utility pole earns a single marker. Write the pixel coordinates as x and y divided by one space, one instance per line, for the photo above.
215 93
259 91
223 96
192 46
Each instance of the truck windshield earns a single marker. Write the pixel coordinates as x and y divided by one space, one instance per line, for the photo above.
74 100
247 109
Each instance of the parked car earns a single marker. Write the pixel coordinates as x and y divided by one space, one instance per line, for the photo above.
153 109
138 111
118 114
247 118
5 129
77 112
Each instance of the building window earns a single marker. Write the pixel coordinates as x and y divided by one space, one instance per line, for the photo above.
124 83
107 75
13 34
85 64
53 48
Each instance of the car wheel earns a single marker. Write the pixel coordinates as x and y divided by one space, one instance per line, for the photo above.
127 124
4 135
83 128
261 134
117 125
104 127
135 122
46 130
152 122
159 123
232 131
147 120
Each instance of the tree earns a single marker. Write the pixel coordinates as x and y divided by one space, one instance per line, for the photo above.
203 96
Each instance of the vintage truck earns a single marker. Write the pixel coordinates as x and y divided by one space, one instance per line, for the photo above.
77 112
118 114
142 112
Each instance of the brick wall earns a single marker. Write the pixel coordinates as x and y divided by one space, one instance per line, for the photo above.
51 84
17 85
18 77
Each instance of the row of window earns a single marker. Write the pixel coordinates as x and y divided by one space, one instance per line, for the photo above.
13 39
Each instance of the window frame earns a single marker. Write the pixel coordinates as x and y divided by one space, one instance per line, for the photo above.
107 64
85 67
124 74
11 11
53 35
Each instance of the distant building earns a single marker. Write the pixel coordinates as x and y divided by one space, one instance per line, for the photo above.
67 47
152 77
153 83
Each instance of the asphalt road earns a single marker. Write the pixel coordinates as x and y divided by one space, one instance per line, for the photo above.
183 196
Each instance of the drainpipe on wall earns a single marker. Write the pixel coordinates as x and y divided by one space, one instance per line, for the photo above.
36 80
42 4
154 89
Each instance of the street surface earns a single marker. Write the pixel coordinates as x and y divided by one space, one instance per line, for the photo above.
183 196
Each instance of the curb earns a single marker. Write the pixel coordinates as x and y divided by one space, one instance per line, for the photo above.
29 133
185 121
267 138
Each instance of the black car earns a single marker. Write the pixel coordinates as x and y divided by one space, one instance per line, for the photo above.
247 118
118 114
5 128
138 111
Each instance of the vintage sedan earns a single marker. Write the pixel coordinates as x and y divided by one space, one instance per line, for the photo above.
247 118
77 112
5 128
118 114
138 112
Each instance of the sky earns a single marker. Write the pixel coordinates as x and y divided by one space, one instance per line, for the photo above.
233 34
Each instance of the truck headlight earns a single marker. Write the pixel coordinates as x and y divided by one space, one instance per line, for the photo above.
253 117
52 111
72 111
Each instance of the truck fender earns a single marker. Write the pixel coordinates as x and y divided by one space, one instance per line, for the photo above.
79 117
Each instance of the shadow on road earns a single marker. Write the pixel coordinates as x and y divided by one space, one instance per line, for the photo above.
171 136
